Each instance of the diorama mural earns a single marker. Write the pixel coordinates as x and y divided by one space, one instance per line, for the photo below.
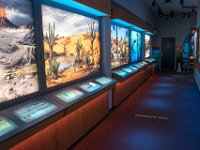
119 46
135 42
17 50
71 46
147 45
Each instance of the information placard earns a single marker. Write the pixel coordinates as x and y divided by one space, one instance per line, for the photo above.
6 126
34 110
70 95
90 87
103 80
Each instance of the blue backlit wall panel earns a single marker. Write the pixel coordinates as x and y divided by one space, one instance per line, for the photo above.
136 45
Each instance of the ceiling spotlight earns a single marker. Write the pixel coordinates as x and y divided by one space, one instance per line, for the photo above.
193 10
154 3
181 2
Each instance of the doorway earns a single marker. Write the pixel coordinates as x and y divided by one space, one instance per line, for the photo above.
168 46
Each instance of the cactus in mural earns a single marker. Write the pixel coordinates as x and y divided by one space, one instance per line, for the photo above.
78 48
92 36
51 38
53 67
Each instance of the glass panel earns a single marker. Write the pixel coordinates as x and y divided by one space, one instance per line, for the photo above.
135 45
18 68
119 46
90 87
6 126
34 110
122 74
70 95
103 80
147 45
71 46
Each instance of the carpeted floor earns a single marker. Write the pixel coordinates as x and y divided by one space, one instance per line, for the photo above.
163 114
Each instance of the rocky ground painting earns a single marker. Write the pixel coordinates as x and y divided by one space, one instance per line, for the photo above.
147 46
136 46
18 71
71 46
119 46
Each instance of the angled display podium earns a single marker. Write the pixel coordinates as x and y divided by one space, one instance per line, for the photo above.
129 79
76 108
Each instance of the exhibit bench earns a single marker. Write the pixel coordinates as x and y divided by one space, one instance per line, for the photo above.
129 78
57 120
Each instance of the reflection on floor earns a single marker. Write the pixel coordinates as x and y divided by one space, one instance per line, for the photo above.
163 114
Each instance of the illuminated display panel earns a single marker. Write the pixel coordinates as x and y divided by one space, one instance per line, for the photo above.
121 73
34 110
195 44
6 126
128 70
198 49
135 43
147 46
70 95
119 46
133 68
90 87
71 46
18 69
103 80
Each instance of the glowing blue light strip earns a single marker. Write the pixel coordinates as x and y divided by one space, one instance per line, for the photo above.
79 6
122 22
138 28
119 21
149 33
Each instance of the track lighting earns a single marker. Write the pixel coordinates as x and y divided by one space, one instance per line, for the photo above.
153 3
193 10
181 2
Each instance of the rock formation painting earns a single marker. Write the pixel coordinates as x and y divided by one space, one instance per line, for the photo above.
17 50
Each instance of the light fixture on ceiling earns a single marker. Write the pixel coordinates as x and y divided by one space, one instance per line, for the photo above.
188 15
153 3
184 15
181 2
193 11
172 14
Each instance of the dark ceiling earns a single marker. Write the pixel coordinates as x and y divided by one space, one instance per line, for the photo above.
174 5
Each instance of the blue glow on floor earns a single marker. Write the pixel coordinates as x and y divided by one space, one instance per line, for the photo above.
163 92
157 103
80 6
164 85
142 139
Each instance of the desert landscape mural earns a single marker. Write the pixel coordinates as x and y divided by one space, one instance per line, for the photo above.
71 46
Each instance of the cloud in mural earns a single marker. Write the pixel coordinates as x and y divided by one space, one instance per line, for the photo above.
67 23
17 13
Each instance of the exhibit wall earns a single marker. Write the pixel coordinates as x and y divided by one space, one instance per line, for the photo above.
119 46
18 67
197 68
135 46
